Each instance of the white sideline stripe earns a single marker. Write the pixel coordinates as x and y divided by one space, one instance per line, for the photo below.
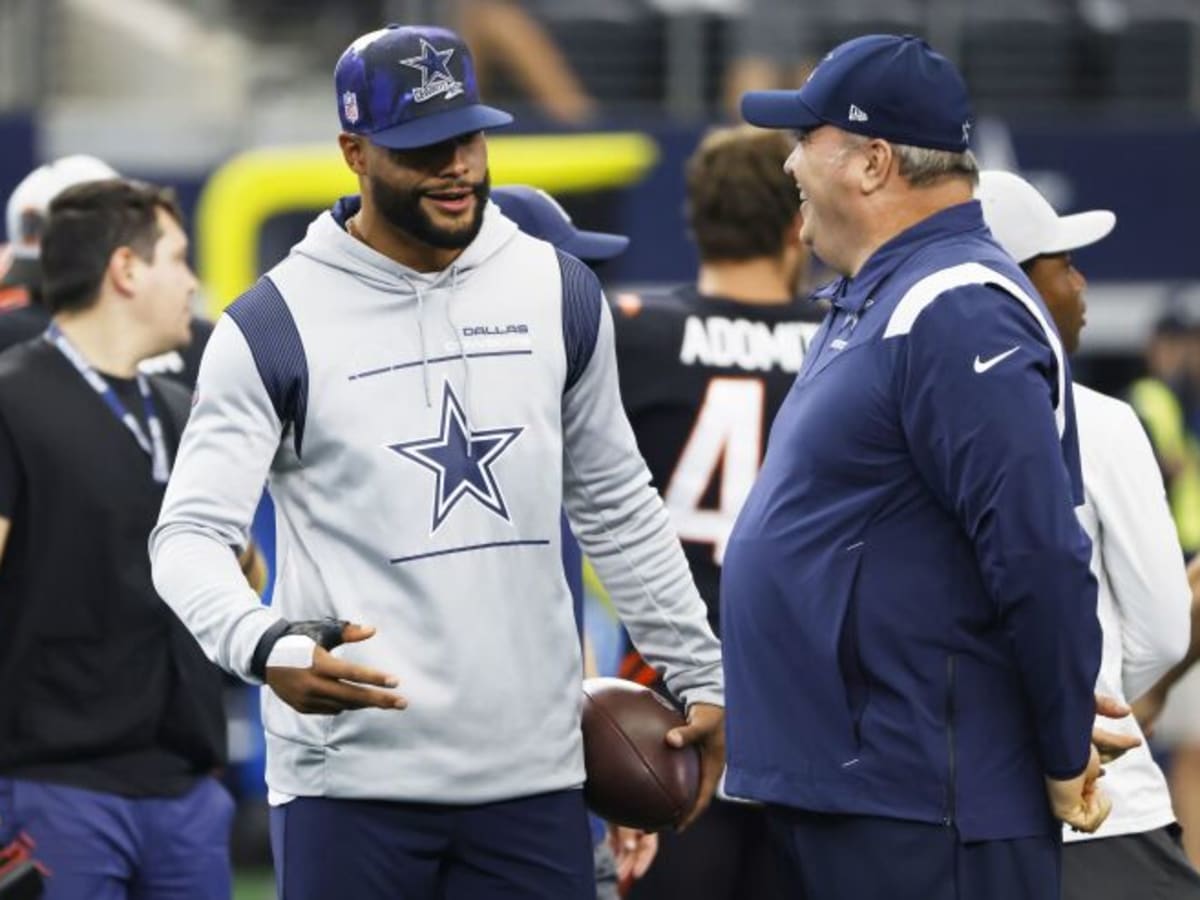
932 286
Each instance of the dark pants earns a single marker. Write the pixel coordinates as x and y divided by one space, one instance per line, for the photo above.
534 848
725 855
1146 866
835 857
104 847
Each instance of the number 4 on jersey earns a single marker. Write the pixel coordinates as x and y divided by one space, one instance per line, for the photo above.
725 444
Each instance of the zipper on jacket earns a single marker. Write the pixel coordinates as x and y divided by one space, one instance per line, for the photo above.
948 819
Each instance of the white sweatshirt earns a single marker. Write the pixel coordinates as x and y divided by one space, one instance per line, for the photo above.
1144 599
419 434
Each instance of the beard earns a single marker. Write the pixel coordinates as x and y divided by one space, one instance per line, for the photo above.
401 207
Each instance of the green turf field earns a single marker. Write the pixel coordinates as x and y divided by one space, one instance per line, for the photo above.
253 884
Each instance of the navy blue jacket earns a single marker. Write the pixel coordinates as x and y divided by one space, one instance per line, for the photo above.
909 621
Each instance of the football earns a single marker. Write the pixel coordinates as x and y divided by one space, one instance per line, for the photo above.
634 777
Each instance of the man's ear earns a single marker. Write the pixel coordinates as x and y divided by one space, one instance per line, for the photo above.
122 272
879 160
354 152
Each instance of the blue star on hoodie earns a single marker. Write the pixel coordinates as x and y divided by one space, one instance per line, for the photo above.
461 458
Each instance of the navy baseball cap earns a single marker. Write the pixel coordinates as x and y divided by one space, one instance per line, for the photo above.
879 85
405 87
539 214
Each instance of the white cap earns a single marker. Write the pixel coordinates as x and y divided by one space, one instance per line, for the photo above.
28 204
1026 225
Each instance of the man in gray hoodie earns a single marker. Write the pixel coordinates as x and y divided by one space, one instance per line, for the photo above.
424 388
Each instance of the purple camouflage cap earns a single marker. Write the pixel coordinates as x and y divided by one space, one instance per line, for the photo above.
411 86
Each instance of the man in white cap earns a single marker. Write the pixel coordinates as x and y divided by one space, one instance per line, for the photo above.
23 315
1144 598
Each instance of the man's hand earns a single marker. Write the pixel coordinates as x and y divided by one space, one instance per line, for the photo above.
1078 801
706 729
634 850
1111 744
331 685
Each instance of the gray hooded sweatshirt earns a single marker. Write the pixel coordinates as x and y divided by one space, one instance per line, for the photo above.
419 434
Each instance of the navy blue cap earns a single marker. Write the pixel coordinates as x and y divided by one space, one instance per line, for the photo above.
539 214
406 87
879 85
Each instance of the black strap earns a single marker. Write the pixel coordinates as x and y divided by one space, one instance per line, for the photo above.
325 633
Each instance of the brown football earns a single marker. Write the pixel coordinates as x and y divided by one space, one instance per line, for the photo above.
634 777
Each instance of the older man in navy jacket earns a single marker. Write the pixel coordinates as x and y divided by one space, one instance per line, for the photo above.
911 640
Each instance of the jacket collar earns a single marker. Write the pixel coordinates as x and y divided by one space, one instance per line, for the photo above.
852 294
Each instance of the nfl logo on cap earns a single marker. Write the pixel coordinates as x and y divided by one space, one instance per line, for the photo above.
350 106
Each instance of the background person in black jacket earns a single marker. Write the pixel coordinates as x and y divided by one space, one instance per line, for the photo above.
111 722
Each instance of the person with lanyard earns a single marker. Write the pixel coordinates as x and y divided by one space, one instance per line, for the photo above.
111 719
908 617
24 313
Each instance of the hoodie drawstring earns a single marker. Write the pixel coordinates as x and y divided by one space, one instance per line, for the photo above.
421 336
462 350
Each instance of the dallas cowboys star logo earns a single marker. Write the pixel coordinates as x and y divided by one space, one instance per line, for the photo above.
461 458
436 77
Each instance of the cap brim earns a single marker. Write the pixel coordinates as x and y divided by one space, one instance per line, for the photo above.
438 127
595 246
1080 230
778 109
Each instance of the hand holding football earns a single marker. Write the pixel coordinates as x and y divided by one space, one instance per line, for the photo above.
634 777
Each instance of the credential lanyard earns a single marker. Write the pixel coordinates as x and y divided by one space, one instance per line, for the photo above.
155 446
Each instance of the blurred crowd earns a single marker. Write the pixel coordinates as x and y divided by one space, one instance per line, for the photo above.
572 60
622 52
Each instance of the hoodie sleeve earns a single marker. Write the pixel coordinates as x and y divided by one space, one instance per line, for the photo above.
617 516
241 414
978 404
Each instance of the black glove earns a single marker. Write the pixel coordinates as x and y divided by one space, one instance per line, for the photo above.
325 633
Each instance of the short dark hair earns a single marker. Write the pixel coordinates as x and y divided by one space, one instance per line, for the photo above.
740 202
86 225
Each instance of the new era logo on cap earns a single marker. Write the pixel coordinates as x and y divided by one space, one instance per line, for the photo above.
856 114
406 87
